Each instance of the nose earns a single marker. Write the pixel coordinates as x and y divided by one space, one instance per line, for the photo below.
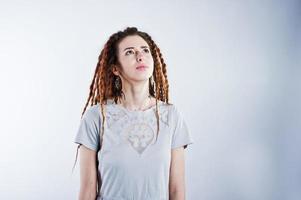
139 56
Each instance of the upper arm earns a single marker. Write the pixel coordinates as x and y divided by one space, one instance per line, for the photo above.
88 171
177 171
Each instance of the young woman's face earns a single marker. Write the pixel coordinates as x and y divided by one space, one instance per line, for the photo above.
135 58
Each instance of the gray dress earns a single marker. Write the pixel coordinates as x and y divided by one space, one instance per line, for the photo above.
132 164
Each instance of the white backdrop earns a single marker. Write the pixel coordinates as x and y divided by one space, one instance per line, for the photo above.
234 73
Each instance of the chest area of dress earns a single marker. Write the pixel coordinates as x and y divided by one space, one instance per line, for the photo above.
135 134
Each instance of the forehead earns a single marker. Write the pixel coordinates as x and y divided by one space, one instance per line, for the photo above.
132 41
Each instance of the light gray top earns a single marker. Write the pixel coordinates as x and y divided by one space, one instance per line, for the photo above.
132 165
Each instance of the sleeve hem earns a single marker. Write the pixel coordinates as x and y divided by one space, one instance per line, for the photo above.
89 146
185 145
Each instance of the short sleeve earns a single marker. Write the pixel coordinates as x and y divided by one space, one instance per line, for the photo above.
181 135
88 130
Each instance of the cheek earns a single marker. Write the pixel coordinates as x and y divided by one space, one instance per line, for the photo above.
125 62
150 59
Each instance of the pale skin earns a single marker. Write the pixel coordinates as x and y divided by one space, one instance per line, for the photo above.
133 51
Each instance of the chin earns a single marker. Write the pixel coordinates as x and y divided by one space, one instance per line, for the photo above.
141 79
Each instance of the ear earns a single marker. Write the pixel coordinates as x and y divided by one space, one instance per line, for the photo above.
115 70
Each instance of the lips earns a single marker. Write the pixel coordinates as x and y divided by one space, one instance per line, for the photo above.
141 67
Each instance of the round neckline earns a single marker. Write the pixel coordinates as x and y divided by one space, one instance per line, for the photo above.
135 111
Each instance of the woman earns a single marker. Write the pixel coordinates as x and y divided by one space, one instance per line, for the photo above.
131 139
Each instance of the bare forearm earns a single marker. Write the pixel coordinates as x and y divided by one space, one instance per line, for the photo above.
176 196
87 194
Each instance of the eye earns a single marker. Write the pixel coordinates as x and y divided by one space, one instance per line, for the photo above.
129 52
146 50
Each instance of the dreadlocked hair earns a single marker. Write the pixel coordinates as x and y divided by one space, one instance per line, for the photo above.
102 87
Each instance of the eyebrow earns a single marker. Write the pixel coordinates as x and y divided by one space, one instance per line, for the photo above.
143 47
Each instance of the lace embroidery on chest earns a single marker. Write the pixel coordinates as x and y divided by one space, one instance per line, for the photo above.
139 136
164 116
137 129
114 115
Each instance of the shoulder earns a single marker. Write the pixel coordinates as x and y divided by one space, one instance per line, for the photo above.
92 112
175 113
172 108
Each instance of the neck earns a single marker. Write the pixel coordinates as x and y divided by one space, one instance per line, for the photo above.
136 97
